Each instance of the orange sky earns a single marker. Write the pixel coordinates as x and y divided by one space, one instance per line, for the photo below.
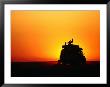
39 35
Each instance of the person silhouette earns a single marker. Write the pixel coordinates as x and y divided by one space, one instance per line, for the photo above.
65 43
71 41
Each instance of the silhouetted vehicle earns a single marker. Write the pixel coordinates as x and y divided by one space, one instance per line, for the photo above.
71 54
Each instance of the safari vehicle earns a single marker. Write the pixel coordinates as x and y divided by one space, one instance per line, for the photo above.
71 54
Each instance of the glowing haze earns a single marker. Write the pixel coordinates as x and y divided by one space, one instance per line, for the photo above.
39 35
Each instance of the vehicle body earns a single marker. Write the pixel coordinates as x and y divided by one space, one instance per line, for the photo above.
72 54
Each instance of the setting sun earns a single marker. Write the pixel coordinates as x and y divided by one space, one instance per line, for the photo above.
39 35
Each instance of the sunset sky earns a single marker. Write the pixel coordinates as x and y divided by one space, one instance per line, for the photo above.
39 35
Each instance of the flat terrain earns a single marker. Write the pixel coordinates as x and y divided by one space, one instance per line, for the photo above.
52 69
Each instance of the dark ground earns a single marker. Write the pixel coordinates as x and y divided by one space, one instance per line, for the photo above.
52 69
